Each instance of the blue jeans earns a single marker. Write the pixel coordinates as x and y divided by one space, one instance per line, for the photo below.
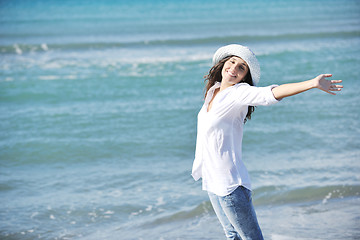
237 215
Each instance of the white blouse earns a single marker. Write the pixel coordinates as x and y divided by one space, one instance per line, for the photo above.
218 159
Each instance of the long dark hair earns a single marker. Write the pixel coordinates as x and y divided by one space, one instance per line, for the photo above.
215 76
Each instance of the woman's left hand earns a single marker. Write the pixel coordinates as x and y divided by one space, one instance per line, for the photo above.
328 86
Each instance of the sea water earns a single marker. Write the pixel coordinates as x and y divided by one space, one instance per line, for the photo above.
98 106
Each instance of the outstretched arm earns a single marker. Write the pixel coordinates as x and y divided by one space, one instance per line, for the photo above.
320 82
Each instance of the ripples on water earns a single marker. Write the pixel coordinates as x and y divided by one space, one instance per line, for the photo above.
98 120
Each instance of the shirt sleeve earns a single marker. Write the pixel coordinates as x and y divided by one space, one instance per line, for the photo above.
255 96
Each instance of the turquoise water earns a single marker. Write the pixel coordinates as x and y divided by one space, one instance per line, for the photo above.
98 106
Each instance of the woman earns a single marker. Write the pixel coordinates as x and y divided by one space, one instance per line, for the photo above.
231 95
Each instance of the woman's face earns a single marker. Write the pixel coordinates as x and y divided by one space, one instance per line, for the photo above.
233 71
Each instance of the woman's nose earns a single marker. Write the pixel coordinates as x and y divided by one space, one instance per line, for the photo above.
233 68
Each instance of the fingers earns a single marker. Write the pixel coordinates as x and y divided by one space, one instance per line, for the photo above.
334 89
323 76
335 81
329 86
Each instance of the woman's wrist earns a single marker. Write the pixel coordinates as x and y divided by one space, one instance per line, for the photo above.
313 83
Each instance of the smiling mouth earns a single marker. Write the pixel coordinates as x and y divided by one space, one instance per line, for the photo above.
232 75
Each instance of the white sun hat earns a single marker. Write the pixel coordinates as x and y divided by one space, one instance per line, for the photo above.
243 52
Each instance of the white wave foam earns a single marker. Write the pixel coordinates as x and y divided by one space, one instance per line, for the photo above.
285 237
34 215
49 77
136 213
70 77
18 49
327 197
52 65
44 47
160 201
